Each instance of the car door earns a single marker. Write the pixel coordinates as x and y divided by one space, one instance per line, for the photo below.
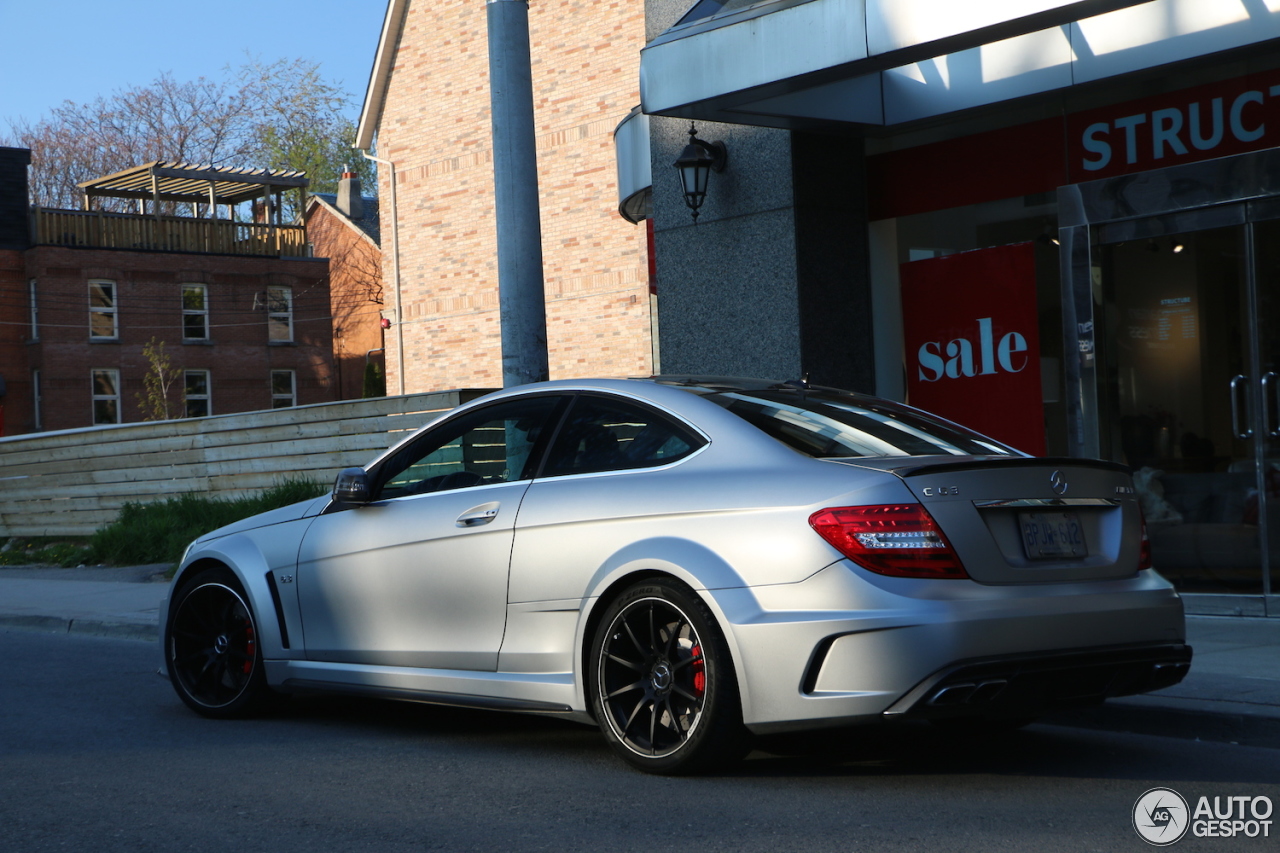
603 484
418 576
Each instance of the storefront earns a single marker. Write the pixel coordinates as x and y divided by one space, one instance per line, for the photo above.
1073 229
1163 280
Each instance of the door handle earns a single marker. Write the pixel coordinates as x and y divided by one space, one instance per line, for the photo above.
479 515
1270 402
1237 382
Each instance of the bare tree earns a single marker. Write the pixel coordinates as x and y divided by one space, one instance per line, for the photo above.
279 115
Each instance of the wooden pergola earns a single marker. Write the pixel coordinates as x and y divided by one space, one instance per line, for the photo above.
199 184
264 234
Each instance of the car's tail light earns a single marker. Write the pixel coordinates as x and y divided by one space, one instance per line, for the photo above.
901 540
1144 547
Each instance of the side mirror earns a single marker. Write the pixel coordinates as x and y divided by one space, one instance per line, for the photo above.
352 487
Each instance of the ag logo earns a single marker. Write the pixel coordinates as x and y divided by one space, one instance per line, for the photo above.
1160 816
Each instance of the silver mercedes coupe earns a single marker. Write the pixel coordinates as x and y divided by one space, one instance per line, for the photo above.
686 562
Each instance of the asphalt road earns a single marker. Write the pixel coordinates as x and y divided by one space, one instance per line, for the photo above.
97 753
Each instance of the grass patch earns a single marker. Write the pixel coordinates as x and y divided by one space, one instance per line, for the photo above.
159 532
47 551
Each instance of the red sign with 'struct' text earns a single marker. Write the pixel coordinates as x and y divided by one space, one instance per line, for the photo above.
973 343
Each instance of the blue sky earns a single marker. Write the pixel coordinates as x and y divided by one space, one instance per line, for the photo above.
57 50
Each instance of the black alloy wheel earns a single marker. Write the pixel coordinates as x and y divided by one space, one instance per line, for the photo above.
212 648
664 691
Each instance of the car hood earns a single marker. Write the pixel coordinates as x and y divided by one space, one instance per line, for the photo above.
293 512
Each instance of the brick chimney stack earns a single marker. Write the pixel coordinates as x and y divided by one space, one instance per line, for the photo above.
349 198
14 198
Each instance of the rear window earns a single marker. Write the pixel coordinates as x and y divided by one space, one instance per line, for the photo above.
829 425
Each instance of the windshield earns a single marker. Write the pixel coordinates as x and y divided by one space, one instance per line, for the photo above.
830 424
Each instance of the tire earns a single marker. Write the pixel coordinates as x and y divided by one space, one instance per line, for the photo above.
662 682
211 647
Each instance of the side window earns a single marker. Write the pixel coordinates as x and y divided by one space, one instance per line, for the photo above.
195 312
106 396
284 389
35 310
607 434
279 315
103 320
196 393
490 445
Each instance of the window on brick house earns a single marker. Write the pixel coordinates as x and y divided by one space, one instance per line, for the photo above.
35 312
280 315
103 322
284 389
35 397
196 394
195 312
106 396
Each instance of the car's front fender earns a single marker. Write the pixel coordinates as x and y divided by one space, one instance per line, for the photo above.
261 559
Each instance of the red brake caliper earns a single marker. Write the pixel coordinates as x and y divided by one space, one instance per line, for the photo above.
699 671
249 648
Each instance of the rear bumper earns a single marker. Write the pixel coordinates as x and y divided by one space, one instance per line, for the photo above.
844 648
1020 684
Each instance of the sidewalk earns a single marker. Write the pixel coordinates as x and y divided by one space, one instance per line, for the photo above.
1232 694
101 602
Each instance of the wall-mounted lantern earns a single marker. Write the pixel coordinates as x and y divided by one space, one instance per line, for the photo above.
696 163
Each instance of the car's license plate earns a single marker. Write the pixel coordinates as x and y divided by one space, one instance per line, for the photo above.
1052 534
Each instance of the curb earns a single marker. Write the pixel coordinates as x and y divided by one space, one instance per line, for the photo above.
82 627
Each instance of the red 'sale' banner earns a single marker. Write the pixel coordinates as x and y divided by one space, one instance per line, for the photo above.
973 343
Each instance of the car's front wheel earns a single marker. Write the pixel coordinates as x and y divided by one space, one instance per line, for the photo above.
663 685
211 647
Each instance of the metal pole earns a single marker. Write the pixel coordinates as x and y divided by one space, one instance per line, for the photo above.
521 302
395 271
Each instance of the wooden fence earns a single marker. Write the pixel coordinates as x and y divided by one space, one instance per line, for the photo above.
72 482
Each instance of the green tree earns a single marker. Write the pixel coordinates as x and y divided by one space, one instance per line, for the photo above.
303 124
375 383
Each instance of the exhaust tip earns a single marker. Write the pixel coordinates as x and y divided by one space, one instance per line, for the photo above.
969 694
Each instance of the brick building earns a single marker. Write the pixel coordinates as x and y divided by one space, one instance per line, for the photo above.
243 316
428 104
344 228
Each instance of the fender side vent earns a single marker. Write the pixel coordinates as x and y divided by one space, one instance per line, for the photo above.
275 601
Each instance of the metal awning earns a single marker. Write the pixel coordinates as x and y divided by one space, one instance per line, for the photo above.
826 63
189 182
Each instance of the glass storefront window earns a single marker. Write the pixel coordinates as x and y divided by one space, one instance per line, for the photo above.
1023 219
1187 396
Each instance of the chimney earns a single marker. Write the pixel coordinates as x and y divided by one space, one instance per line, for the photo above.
349 200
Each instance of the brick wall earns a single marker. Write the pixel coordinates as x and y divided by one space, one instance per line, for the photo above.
355 288
14 325
148 285
15 405
435 127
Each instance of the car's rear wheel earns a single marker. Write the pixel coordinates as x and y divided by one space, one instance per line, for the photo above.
211 647
663 684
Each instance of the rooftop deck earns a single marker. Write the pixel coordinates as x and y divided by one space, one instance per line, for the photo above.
101 230
167 186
